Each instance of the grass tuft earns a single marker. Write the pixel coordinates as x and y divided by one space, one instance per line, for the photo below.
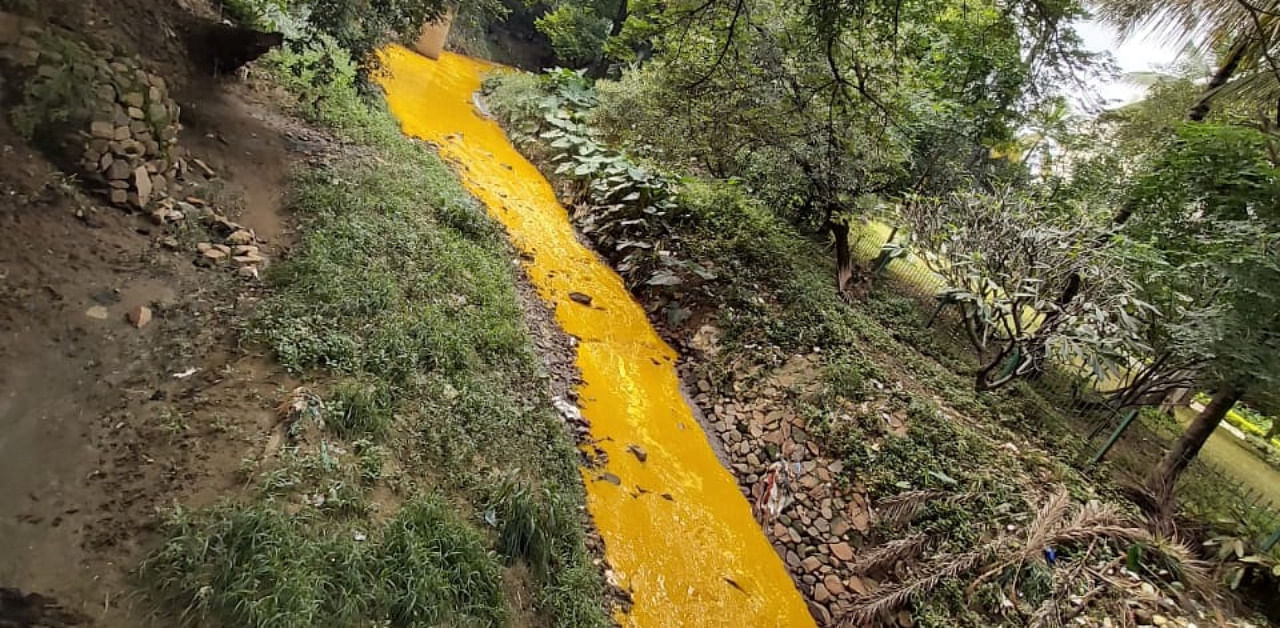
360 409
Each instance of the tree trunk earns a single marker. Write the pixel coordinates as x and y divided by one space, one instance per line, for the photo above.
1184 450
844 257
1225 71
983 382
600 68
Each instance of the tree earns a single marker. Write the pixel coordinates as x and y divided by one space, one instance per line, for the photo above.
829 118
1006 259
1245 32
1211 220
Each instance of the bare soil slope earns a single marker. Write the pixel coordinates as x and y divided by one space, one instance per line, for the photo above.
102 422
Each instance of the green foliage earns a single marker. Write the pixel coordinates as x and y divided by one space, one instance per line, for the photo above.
631 205
362 27
322 78
382 286
1209 218
847 377
256 14
57 95
577 34
256 566
1006 261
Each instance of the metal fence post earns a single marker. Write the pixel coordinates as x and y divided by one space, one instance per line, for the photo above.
1271 540
1115 436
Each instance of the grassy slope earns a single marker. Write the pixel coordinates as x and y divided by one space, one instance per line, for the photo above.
437 458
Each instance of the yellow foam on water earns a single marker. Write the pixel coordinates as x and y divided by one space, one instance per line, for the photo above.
677 556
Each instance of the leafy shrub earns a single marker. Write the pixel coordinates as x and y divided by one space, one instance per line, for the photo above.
256 14
577 34
630 206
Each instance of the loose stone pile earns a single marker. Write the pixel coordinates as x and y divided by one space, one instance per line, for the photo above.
107 117
132 144
818 515
106 114
814 524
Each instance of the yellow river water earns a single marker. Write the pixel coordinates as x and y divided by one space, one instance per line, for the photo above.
677 532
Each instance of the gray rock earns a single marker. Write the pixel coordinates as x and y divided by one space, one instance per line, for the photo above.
118 170
820 613
102 129
142 181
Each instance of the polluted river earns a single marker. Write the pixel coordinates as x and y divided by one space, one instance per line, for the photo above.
678 533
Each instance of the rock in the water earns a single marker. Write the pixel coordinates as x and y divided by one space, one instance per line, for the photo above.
638 452
139 316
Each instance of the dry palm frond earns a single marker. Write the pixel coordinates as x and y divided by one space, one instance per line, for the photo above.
1096 513
1057 524
890 553
1048 519
1206 23
1175 556
902 508
892 597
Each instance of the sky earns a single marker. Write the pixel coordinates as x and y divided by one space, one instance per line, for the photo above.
1140 52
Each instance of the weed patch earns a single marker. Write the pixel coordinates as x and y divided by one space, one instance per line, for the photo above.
256 566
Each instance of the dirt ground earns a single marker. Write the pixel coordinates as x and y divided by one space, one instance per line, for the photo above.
102 424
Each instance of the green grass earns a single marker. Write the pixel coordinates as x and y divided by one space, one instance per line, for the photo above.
257 566
398 305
